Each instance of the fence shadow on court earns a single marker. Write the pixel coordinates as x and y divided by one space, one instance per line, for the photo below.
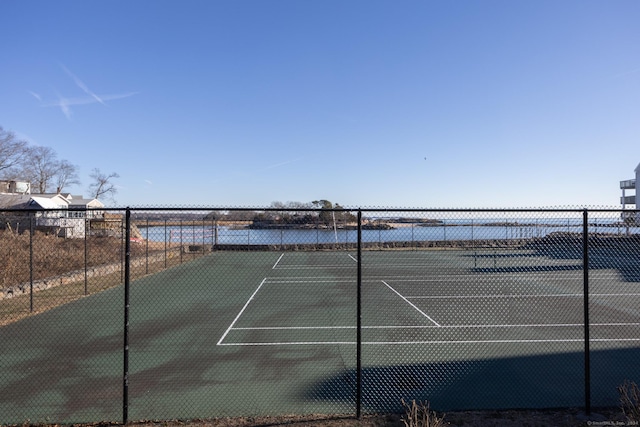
620 253
536 381
527 269
606 252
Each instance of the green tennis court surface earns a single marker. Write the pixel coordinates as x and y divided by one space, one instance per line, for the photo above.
247 333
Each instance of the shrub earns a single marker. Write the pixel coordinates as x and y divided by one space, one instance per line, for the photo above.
630 400
419 414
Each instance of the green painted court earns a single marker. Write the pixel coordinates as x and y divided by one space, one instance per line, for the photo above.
266 332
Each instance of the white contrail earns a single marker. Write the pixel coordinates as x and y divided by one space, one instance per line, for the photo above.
64 103
82 86
277 165
36 96
85 101
65 108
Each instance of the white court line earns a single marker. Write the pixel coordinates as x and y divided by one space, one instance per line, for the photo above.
369 264
519 296
456 278
328 280
307 277
292 328
483 278
241 311
532 325
410 303
491 296
309 267
502 341
534 273
255 344
276 264
313 267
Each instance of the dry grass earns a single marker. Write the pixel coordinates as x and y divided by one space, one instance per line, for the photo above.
419 414
506 418
53 257
630 401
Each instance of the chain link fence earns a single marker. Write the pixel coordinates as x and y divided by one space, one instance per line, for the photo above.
167 313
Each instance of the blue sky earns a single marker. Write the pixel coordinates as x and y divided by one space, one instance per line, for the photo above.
465 104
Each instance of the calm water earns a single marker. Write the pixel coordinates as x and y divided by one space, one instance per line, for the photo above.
226 235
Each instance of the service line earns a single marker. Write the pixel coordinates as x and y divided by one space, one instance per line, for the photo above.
241 311
276 264
410 303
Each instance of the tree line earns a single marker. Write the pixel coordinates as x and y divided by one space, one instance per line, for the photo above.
315 212
41 167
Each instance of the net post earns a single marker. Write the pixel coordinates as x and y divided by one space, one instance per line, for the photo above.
359 322
585 278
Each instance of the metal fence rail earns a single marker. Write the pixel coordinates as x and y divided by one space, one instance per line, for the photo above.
176 313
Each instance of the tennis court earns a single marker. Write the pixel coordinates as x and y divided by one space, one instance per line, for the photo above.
266 332
434 297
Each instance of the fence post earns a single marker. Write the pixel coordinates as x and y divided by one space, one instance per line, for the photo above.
86 252
127 264
444 229
412 242
146 250
123 249
359 323
472 239
585 270
215 234
31 232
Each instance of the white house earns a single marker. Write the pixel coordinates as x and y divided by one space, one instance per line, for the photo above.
63 213
625 201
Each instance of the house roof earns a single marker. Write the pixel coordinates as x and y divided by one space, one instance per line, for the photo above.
49 203
90 203
66 196
26 201
14 201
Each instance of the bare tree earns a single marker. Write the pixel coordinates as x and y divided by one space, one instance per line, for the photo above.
66 175
102 185
12 153
40 167
45 172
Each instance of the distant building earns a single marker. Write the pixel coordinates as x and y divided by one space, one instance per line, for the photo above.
63 214
626 201
15 187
